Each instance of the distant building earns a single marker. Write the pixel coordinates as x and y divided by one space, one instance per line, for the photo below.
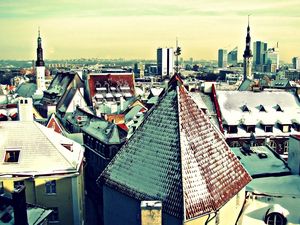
189 169
292 74
107 92
232 57
165 62
40 67
63 95
248 56
296 63
222 58
272 62
259 55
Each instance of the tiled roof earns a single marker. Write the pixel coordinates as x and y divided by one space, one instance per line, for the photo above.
177 156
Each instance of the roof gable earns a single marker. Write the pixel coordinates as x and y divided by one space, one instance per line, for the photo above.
177 156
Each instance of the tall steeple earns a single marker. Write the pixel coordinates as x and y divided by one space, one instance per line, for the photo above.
39 51
248 55
40 67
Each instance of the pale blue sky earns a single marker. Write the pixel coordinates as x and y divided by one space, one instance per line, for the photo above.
135 28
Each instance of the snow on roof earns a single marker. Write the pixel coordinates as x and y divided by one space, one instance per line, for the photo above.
231 103
269 191
279 186
43 154
256 166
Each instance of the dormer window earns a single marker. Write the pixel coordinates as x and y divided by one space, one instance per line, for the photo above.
278 108
262 108
12 155
245 108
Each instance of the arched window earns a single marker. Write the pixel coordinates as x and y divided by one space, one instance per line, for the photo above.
275 219
273 144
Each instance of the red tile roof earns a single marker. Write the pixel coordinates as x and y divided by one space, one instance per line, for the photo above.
113 79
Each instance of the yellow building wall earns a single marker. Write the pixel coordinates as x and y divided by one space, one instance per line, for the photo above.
227 215
63 199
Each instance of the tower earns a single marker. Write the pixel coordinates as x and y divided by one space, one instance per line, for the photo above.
40 67
248 56
222 58
165 62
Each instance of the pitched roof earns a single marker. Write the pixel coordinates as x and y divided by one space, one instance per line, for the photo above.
177 156
26 89
41 150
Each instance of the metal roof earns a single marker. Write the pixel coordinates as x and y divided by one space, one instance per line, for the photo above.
178 157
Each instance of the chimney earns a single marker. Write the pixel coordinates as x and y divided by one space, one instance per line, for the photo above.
25 109
151 213
19 205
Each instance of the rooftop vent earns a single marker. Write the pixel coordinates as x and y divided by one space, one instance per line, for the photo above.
262 155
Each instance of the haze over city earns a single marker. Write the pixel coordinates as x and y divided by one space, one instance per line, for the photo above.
135 28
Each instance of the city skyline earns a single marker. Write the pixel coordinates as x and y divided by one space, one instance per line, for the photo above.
134 29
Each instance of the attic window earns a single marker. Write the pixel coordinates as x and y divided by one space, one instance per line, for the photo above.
278 108
245 108
12 156
262 108
68 146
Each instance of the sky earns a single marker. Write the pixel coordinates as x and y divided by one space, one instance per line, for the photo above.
134 29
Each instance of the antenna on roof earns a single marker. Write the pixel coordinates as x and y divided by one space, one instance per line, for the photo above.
177 53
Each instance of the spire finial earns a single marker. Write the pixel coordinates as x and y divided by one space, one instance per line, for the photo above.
39 32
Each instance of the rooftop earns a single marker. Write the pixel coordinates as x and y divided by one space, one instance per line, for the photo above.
261 161
190 168
32 149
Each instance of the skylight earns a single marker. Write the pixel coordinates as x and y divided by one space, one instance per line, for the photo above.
12 156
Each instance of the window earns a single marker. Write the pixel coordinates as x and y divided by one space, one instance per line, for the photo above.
1 187
19 183
250 128
245 108
54 215
286 147
235 144
232 129
262 108
275 219
273 144
12 156
51 187
268 128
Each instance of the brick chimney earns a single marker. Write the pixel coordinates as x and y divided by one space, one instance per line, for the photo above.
19 205
151 213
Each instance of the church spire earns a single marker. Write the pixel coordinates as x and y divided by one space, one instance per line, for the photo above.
248 52
248 56
39 51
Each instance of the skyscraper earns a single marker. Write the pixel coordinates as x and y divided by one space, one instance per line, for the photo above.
40 67
222 58
272 56
260 55
296 63
165 62
248 56
232 57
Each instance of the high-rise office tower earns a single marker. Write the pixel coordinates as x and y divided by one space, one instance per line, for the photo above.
40 67
222 58
165 62
272 59
296 63
260 55
232 57
248 56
